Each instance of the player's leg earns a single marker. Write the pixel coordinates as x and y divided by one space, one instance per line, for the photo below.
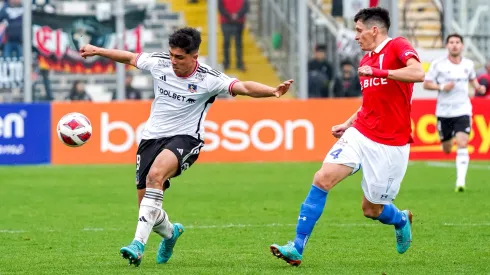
227 33
312 208
141 191
239 46
186 149
342 160
462 128
445 129
157 169
383 170
447 146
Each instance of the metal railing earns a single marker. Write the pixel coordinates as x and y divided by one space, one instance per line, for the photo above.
471 19
410 27
277 30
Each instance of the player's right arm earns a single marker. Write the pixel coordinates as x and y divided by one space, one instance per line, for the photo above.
338 130
430 85
430 80
352 118
113 54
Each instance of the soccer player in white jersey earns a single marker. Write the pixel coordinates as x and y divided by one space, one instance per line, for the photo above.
449 76
173 135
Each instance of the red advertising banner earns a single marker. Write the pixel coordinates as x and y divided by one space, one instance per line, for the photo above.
427 145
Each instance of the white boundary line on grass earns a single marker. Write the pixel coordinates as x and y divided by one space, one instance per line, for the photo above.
467 224
92 229
442 164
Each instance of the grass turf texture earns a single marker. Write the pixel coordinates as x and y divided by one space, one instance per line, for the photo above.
74 220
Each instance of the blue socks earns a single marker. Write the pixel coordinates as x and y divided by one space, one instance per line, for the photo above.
391 215
310 212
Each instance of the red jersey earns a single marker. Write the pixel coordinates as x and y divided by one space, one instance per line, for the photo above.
385 113
485 78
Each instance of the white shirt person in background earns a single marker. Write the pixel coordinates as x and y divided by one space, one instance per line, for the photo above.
450 76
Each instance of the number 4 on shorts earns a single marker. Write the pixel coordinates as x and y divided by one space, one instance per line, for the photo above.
336 153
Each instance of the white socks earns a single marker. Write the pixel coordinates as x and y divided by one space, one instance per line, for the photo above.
462 161
163 226
150 209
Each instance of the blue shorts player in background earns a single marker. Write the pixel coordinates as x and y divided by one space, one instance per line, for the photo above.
377 137
173 135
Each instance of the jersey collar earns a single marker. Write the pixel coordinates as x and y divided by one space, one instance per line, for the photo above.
380 46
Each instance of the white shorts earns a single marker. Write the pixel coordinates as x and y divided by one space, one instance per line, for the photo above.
383 166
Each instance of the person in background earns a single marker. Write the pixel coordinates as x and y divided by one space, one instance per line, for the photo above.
11 13
484 80
320 73
450 76
232 24
46 7
131 92
347 84
78 92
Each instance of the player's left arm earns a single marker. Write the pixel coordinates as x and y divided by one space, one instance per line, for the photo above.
413 72
481 89
255 89
478 87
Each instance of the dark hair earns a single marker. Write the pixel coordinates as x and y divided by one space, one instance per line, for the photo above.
73 91
346 62
74 86
376 15
321 48
188 39
454 35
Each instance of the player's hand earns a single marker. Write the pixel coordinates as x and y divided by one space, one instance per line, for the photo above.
365 71
283 88
338 130
481 89
448 86
88 50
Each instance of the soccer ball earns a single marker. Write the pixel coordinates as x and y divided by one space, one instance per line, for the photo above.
74 129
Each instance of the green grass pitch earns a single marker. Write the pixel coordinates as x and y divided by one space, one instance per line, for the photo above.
74 220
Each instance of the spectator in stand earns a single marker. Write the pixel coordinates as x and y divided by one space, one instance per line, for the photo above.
347 84
11 13
233 15
320 73
131 92
78 92
44 6
484 79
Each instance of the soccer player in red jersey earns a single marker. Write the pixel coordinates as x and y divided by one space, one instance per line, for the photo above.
377 137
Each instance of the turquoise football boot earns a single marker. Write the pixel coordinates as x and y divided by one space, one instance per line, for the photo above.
404 234
166 247
133 252
287 252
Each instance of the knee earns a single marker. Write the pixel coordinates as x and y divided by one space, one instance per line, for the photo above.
462 143
371 211
155 178
324 180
